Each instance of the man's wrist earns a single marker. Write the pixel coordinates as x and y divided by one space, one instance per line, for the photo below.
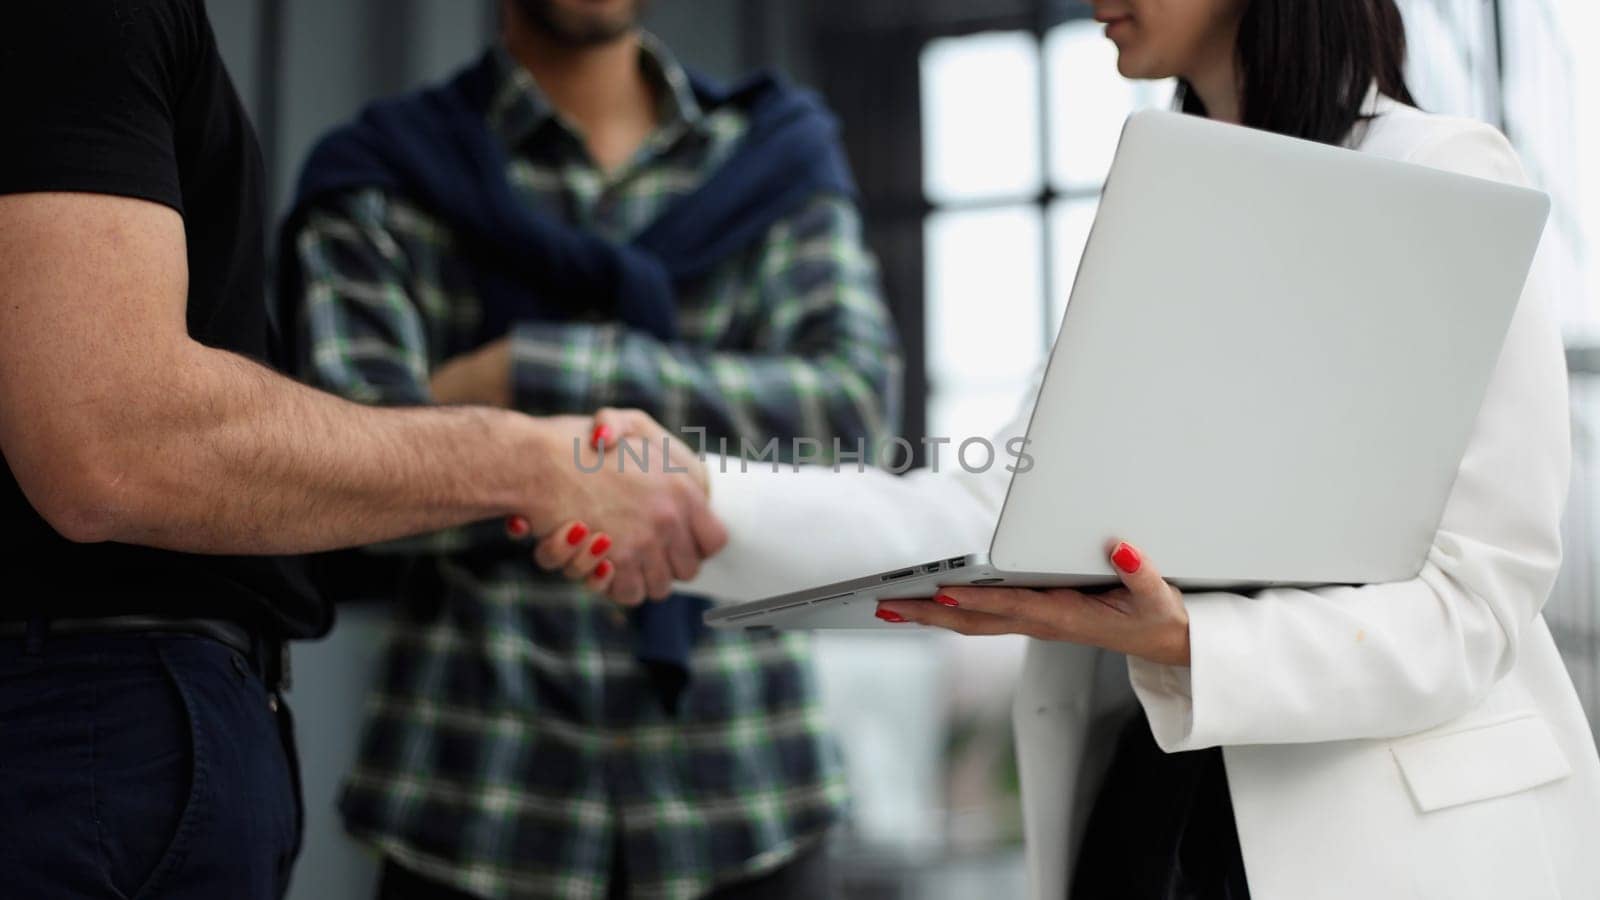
534 469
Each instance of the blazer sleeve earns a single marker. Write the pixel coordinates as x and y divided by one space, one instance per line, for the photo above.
793 527
1291 666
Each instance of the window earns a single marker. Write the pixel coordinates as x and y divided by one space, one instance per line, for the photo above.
1019 133
1544 116
1510 64
1451 53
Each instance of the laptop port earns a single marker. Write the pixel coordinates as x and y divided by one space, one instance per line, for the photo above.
930 568
957 562
896 576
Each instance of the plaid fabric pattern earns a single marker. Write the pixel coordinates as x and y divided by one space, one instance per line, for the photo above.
512 742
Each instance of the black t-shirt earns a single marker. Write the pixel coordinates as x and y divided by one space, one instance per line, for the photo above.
130 98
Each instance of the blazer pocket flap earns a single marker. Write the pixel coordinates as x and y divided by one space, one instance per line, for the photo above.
1478 763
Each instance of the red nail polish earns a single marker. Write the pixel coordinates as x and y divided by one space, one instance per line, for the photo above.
601 545
602 436
947 600
890 616
603 570
576 533
518 527
1126 558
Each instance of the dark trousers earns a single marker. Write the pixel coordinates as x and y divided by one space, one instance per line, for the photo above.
141 766
1161 827
805 878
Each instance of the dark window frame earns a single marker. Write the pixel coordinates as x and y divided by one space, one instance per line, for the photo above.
877 47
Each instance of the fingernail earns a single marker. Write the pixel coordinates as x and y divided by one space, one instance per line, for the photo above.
576 533
602 436
518 527
601 545
890 616
603 570
947 600
1126 558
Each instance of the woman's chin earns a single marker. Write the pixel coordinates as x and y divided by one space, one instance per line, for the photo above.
1131 66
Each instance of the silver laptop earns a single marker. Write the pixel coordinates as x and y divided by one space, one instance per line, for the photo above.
1270 365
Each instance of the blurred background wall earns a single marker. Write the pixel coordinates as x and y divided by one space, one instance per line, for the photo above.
981 131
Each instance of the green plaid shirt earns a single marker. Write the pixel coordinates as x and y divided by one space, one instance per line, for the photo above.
512 742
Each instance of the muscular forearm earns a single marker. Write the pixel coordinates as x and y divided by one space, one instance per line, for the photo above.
220 455
119 426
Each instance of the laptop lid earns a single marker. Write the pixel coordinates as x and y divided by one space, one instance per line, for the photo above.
1271 361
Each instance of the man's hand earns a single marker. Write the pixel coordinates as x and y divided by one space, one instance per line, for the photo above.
647 495
481 377
611 425
646 502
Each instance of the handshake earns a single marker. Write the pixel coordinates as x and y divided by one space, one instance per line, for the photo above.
630 511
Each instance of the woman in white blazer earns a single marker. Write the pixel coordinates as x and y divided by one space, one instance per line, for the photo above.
1418 740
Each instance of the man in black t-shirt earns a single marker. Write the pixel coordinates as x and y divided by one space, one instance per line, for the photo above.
153 465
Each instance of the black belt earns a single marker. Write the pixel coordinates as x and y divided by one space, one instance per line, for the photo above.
270 657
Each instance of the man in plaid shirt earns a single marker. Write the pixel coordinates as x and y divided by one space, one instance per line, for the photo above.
514 744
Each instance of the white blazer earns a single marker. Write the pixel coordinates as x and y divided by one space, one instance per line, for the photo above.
1410 741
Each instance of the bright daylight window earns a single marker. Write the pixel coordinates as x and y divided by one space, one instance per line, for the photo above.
1018 136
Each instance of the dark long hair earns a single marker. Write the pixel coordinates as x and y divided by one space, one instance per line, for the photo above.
1306 65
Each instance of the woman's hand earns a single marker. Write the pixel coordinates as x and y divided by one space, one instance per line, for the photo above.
581 557
1144 618
578 554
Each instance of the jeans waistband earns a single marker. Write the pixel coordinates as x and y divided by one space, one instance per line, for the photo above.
270 657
